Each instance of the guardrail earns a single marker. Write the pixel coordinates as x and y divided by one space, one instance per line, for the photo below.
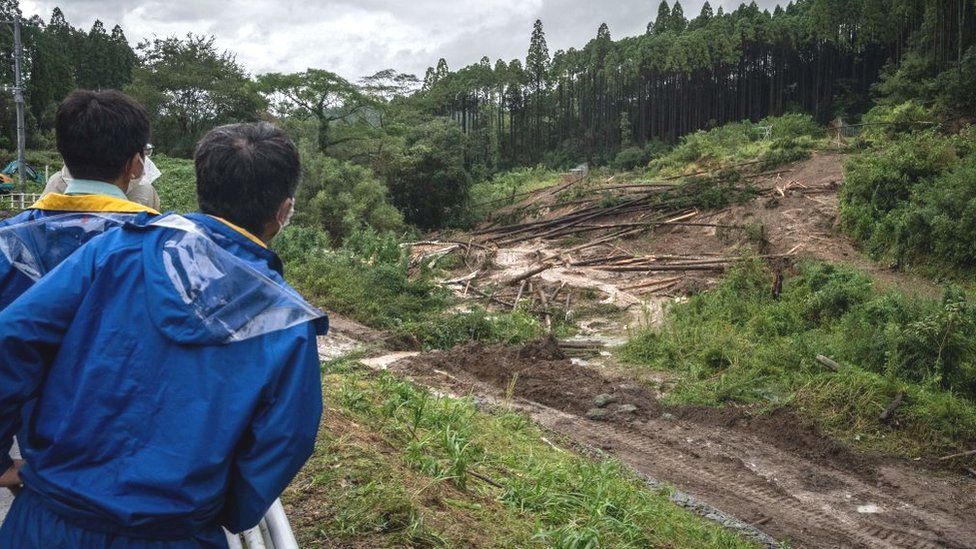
18 201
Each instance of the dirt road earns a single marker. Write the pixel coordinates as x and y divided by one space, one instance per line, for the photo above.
770 470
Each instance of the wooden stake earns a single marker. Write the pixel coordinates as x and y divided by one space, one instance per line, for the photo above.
519 296
886 415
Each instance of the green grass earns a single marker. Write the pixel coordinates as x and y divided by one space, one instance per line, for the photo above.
738 344
177 185
498 192
792 137
396 465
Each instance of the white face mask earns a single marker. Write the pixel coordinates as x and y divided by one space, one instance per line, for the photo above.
150 173
291 212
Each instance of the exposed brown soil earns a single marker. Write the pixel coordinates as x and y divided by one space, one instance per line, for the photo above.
771 469
540 372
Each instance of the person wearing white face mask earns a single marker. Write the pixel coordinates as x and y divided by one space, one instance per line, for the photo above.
140 191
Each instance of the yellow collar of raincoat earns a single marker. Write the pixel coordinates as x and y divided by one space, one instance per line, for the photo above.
242 230
89 203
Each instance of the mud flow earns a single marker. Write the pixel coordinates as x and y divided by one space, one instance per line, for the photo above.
771 470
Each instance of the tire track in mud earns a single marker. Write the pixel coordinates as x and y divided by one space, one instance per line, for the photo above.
736 487
733 471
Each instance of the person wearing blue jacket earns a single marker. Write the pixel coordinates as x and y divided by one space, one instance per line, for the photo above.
175 372
103 138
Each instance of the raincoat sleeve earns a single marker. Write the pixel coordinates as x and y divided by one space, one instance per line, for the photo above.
280 439
34 325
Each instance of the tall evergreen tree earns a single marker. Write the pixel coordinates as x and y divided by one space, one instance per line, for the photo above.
678 22
663 21
538 60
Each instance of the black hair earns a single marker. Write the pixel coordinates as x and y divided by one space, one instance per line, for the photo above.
98 132
245 172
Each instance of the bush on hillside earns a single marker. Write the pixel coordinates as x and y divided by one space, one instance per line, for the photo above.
772 141
739 343
912 199
341 197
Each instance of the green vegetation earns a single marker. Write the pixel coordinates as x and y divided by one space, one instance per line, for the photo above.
342 197
769 143
739 344
504 189
910 197
395 465
177 185
611 102
367 279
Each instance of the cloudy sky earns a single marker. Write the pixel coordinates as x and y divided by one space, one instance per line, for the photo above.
355 38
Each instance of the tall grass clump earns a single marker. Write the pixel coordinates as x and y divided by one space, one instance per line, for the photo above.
740 344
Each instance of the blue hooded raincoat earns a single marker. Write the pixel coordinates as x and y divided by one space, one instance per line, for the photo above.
177 384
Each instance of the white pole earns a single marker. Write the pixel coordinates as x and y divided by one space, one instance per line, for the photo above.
281 532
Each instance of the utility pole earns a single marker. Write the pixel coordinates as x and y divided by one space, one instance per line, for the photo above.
19 102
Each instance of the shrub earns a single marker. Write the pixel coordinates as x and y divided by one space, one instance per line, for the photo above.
738 343
913 199
342 197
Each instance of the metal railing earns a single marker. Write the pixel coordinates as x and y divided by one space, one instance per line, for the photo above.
18 201
274 532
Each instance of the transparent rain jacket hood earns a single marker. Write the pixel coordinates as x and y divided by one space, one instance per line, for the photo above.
37 240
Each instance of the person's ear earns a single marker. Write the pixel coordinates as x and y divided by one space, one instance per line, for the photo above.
134 168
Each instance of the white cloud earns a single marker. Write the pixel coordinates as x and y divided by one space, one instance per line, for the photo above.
362 37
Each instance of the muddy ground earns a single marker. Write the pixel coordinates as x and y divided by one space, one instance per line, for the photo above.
773 471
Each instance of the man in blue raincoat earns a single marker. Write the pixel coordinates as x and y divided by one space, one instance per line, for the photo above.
175 372
102 137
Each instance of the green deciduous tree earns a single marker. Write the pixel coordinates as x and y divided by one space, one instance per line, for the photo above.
188 87
316 94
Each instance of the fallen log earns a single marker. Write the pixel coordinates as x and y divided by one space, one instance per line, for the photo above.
665 268
959 455
663 287
828 363
886 415
652 283
529 274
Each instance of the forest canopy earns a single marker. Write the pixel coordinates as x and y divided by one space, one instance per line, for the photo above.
618 102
